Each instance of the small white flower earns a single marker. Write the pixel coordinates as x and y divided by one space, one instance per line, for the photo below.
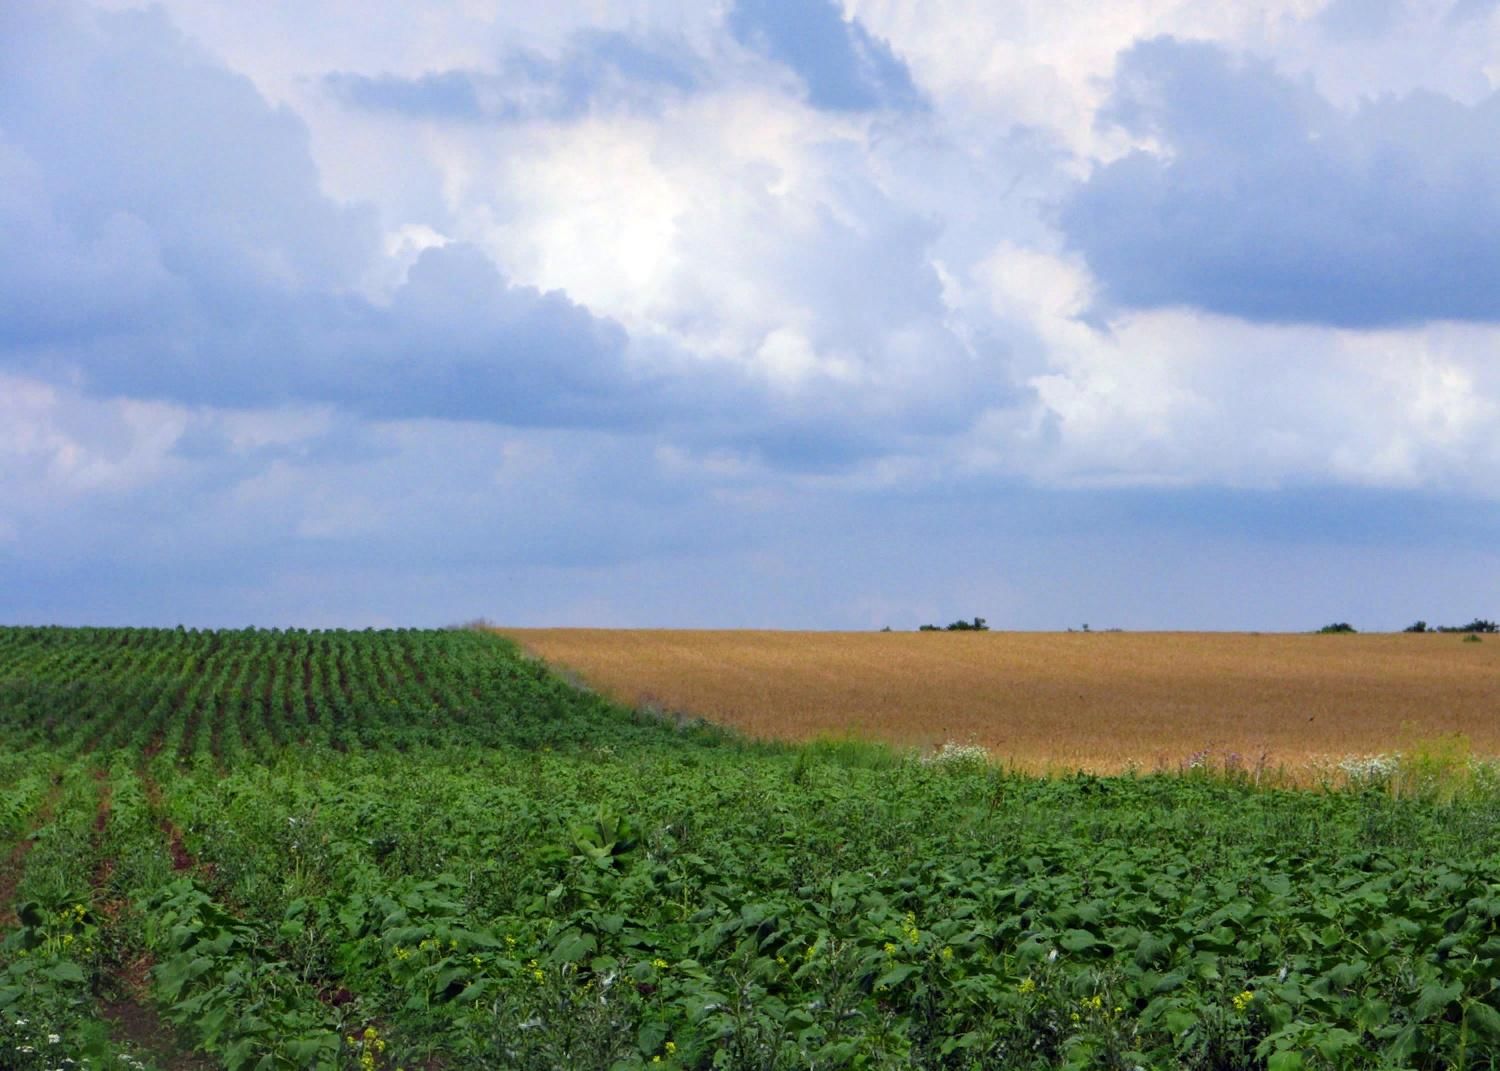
22 1022
953 754
1052 956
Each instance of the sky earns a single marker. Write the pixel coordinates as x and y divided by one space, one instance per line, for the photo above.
1160 314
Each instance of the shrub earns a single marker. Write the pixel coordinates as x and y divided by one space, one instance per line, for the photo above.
1479 624
977 625
1336 627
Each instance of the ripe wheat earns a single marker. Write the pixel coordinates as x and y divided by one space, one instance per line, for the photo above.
1099 701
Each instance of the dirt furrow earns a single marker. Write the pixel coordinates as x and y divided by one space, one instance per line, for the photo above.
15 864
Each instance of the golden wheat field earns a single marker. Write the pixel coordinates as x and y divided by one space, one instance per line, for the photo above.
1097 701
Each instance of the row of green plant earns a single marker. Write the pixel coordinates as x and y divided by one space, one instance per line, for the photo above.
756 916
222 696
582 890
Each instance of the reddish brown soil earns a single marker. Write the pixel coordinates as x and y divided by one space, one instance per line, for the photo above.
182 859
104 869
134 1023
15 863
106 794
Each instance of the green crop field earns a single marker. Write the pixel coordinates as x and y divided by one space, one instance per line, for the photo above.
419 849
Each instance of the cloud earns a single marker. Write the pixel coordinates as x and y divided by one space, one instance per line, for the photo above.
1465 11
1345 20
755 239
123 120
165 236
115 512
1256 198
168 494
594 69
706 314
444 94
843 65
196 259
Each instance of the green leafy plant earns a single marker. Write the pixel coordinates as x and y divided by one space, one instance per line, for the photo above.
399 849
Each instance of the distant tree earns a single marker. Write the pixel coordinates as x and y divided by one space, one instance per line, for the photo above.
1337 626
977 625
1479 624
1420 626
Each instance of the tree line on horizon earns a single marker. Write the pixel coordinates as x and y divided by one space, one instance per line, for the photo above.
1479 624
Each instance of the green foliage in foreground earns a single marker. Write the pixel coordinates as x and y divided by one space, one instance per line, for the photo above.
494 895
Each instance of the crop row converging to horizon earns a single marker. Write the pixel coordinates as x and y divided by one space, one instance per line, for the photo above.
266 849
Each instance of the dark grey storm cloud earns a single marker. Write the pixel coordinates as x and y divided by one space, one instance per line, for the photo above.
844 67
163 234
596 69
1266 202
